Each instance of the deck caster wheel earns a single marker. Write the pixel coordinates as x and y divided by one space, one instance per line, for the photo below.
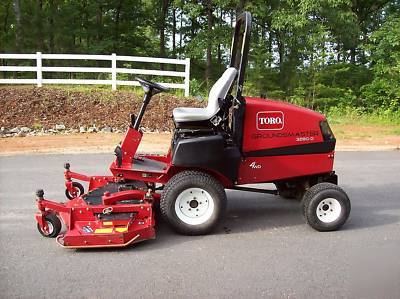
78 187
193 202
53 224
326 207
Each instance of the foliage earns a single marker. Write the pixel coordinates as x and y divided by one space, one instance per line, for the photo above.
319 54
384 49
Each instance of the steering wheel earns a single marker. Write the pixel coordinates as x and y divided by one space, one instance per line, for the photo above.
148 85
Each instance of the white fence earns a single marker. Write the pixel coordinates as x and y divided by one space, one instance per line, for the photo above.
113 70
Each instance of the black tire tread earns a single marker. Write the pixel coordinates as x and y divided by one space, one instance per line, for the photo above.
180 178
76 185
56 226
311 193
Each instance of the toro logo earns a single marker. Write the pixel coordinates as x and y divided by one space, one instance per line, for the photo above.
270 120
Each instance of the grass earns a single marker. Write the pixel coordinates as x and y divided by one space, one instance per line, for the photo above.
106 89
396 131
357 116
350 132
350 123
37 126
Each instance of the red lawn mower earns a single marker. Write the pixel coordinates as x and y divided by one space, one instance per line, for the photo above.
234 141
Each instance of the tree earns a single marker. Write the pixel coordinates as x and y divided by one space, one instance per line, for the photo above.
316 53
209 9
18 26
384 51
164 11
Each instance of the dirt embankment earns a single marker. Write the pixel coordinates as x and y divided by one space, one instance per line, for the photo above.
41 109
46 107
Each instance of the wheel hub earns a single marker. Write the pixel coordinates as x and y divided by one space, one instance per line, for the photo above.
50 228
194 206
329 210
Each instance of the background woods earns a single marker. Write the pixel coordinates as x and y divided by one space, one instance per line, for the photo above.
321 54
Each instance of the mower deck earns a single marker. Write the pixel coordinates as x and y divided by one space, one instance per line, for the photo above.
94 197
108 216
104 236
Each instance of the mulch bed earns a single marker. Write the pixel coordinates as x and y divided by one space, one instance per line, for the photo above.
47 106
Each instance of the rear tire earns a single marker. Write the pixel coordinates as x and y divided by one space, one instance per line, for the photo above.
54 225
193 203
326 207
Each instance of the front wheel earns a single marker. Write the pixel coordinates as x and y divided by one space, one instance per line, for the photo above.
193 202
78 188
326 207
53 226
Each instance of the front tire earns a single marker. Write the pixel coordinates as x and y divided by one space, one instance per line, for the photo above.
326 207
79 191
54 226
193 203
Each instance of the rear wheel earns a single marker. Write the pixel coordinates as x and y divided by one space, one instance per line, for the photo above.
193 202
53 226
326 207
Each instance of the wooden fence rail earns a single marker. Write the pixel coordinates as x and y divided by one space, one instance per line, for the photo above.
113 70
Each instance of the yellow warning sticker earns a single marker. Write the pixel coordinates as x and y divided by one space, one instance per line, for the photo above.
103 230
107 223
121 229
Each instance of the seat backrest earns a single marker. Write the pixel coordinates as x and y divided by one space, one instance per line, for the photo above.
220 90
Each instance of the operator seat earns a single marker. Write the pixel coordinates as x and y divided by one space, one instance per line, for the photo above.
218 91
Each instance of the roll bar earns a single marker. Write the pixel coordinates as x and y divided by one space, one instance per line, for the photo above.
242 40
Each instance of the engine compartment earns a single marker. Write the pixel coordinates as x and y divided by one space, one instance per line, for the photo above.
276 126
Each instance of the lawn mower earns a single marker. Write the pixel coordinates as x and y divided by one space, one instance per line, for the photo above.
232 143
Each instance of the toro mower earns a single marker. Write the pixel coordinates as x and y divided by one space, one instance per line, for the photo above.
232 143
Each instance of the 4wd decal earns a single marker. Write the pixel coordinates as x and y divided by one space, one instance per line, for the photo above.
270 120
254 165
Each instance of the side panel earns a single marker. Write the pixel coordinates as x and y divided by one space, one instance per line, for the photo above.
272 124
271 168
207 152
